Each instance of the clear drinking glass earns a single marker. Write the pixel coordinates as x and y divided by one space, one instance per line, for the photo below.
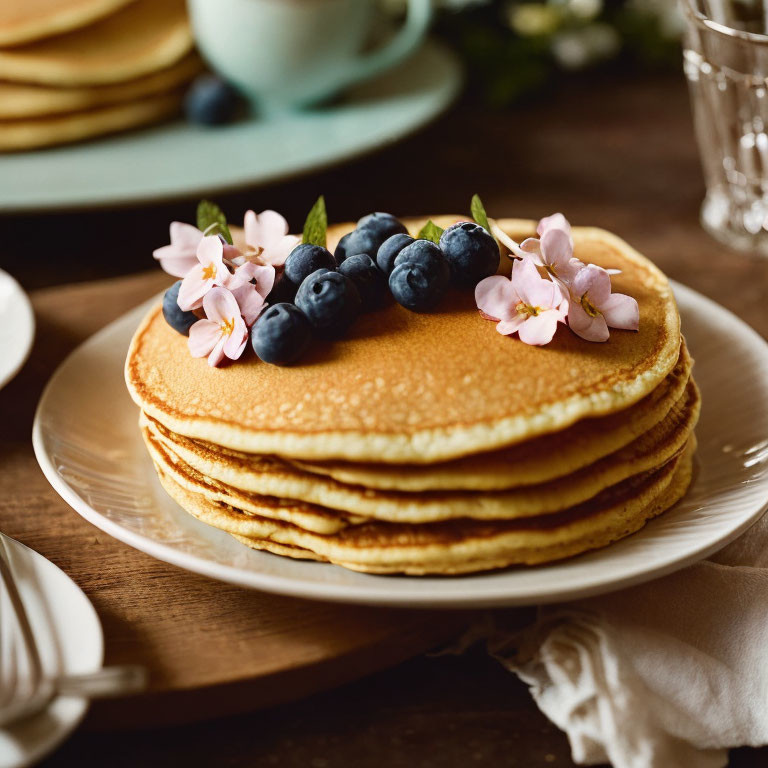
726 63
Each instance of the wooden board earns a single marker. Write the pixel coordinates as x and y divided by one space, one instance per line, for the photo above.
210 648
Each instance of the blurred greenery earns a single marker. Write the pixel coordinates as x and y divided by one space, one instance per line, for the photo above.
517 50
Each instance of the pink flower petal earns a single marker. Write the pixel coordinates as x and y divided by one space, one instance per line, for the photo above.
252 229
594 282
555 221
272 227
221 306
276 253
621 311
586 326
180 256
532 288
556 247
193 288
234 344
210 250
217 353
263 274
250 301
508 327
540 329
496 297
531 244
203 336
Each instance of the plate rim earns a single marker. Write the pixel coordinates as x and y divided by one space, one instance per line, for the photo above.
80 705
447 90
29 314
459 597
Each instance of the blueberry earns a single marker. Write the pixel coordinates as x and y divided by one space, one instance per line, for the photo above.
178 320
370 281
428 256
341 252
281 335
329 300
210 101
305 259
471 252
283 291
357 241
385 257
382 225
414 287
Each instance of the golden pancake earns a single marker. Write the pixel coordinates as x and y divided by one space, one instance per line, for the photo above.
147 35
266 476
403 387
23 101
461 546
22 21
311 517
60 129
530 463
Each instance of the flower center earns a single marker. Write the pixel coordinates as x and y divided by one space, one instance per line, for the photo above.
528 309
209 272
228 326
589 307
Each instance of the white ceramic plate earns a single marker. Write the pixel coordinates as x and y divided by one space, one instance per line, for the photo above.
70 642
182 160
87 442
17 327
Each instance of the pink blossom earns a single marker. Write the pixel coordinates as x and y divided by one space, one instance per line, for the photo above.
526 304
593 308
205 274
553 222
250 285
267 237
554 252
181 255
223 332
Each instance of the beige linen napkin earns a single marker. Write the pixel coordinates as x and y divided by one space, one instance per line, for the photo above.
669 674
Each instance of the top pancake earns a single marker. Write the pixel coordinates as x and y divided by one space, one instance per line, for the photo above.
403 387
22 21
143 37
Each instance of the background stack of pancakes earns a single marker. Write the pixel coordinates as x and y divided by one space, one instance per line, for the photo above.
429 443
73 69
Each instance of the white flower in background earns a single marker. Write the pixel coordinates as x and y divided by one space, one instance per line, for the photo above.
579 9
668 14
533 19
578 48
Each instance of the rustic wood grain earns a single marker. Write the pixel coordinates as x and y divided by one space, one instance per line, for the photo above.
616 153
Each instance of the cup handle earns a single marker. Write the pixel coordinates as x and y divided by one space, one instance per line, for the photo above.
405 42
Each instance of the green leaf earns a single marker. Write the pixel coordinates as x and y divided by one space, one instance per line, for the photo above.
430 231
212 221
316 224
478 213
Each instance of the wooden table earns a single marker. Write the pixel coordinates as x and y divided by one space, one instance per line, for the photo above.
616 154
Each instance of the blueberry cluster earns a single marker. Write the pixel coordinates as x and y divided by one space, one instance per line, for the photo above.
321 294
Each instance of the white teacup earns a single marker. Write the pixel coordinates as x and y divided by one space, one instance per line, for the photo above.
290 53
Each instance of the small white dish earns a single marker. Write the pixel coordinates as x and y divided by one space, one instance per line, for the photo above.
183 160
17 327
70 641
88 444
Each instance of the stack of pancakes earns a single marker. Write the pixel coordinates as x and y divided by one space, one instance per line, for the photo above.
429 443
74 69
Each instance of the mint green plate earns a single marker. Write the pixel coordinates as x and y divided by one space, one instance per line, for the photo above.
179 159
